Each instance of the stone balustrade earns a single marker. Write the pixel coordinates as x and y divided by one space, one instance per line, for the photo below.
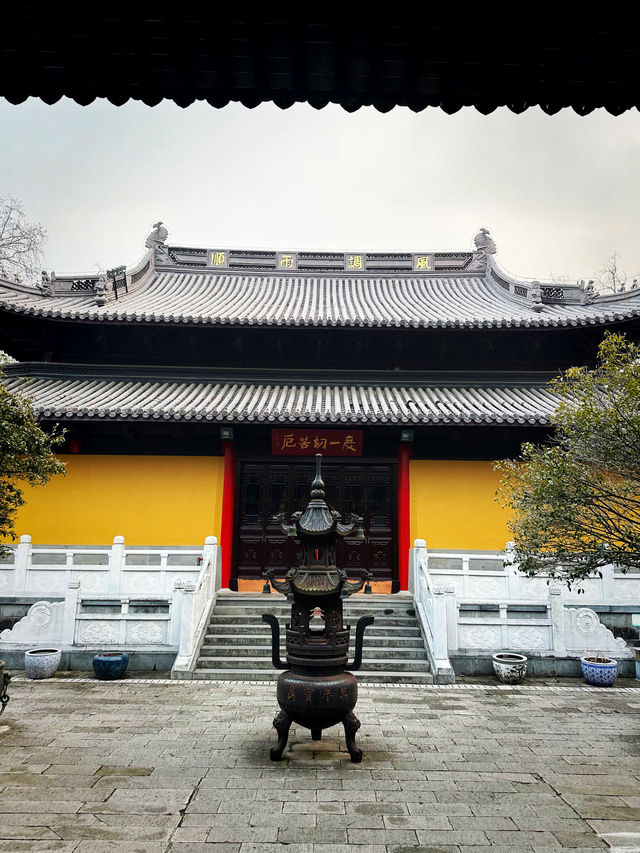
109 597
473 603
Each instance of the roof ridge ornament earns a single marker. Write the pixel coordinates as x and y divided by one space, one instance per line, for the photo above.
485 246
101 289
484 242
588 293
47 283
156 241
535 296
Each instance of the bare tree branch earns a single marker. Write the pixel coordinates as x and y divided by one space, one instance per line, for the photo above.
21 242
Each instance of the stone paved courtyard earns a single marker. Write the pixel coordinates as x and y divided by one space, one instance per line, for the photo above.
155 766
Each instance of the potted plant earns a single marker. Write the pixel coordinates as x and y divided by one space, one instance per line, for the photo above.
599 670
108 666
41 663
510 667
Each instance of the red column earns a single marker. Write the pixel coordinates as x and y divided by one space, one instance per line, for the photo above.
404 530
228 500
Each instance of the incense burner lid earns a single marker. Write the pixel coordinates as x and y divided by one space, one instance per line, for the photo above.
314 582
316 520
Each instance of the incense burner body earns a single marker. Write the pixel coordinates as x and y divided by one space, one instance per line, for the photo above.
315 701
318 689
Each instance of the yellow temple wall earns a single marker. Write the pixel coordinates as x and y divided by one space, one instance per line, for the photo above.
150 500
177 500
452 505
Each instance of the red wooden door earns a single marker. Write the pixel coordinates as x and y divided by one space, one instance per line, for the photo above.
266 489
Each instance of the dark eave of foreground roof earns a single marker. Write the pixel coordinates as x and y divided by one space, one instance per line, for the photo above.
334 398
354 55
170 373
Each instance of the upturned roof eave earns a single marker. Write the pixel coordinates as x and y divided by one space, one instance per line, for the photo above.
167 291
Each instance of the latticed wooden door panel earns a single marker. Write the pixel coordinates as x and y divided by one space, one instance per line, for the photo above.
267 489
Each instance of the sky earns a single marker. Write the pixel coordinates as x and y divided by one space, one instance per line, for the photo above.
560 193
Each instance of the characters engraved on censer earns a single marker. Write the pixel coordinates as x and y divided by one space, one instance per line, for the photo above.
318 689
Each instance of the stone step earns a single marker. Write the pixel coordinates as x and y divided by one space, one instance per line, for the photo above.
218 650
239 598
370 677
237 644
264 640
349 601
349 610
246 619
254 662
260 629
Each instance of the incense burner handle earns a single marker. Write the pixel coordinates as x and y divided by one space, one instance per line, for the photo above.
275 640
363 624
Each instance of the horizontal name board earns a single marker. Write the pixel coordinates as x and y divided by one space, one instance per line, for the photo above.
308 442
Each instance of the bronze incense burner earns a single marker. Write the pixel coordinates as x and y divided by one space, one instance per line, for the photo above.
317 690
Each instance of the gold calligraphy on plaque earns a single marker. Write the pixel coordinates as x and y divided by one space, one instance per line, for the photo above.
286 262
355 262
217 259
289 442
424 263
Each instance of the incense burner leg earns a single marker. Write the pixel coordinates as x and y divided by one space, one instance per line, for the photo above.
316 734
282 723
351 725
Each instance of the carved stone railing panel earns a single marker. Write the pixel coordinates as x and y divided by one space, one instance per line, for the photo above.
491 607
112 596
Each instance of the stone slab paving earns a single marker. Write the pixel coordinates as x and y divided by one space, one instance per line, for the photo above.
154 766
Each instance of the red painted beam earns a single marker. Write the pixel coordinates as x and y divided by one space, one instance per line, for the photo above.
228 500
404 527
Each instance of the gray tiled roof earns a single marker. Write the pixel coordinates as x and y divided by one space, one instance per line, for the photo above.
226 399
177 294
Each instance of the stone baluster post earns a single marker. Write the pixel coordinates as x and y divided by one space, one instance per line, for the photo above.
608 583
176 612
70 610
558 630
210 552
513 578
22 564
451 604
440 633
417 556
186 620
116 563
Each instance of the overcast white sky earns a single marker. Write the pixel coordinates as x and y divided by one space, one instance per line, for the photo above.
560 194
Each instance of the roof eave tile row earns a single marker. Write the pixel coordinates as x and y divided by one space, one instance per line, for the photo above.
207 298
554 321
93 399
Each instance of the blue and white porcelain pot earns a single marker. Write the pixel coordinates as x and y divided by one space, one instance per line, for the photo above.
510 667
41 663
599 671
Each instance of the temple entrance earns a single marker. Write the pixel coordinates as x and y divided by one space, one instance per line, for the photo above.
266 489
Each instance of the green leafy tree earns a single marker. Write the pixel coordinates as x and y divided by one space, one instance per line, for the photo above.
576 499
26 456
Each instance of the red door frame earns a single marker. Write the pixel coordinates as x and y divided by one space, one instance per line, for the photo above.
228 501
404 509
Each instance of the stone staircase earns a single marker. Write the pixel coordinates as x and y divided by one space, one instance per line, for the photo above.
237 644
